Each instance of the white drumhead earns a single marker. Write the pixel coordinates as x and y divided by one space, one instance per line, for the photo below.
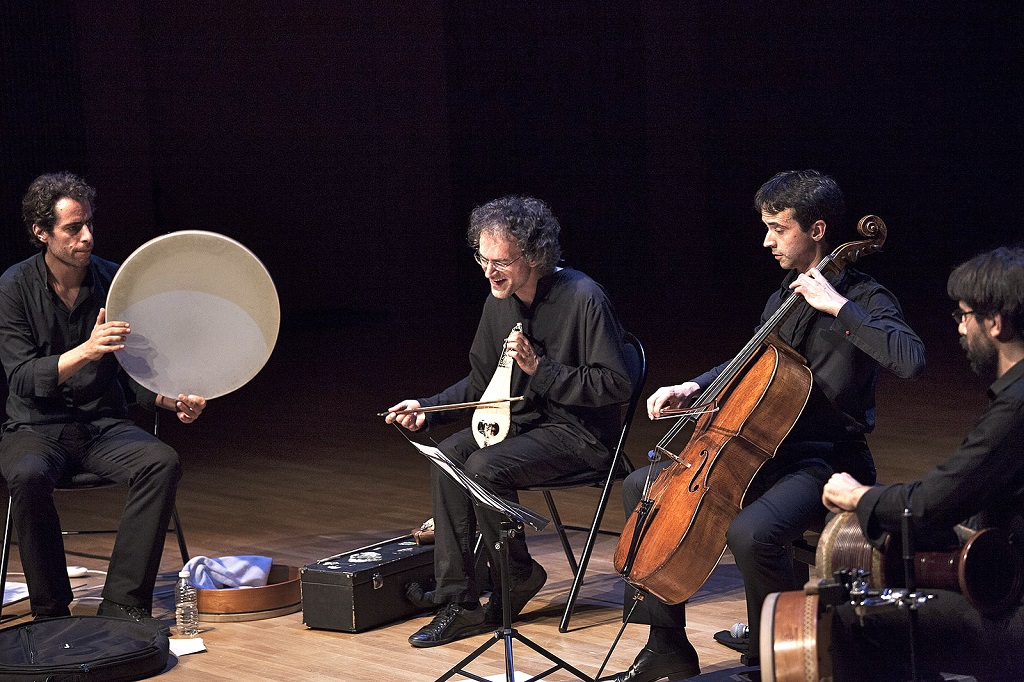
203 311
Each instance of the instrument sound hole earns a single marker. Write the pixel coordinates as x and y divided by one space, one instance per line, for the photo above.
990 575
488 429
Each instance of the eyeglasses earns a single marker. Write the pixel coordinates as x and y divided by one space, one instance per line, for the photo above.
959 315
499 265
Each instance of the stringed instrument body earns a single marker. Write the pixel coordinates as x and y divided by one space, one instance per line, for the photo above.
491 422
680 548
676 536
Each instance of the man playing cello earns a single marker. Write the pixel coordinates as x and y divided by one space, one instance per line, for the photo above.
570 366
851 327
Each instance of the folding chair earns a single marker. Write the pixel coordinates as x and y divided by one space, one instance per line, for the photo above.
620 467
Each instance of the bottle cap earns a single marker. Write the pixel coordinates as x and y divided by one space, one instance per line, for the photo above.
183 573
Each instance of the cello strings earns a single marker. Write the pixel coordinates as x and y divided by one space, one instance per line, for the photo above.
714 390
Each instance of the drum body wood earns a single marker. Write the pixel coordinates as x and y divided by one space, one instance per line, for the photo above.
985 569
842 546
204 314
280 596
795 637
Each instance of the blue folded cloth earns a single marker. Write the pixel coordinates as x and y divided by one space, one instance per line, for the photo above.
208 573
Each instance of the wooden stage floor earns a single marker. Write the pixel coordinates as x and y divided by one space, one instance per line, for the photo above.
296 466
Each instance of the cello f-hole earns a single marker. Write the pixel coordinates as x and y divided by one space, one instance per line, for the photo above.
694 485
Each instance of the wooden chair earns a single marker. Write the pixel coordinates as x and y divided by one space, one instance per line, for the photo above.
620 467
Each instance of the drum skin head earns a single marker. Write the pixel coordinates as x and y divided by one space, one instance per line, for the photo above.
203 310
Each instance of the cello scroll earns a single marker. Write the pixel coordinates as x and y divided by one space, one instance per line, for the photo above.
870 226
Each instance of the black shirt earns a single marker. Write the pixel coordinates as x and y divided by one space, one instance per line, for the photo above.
583 376
36 327
981 484
844 354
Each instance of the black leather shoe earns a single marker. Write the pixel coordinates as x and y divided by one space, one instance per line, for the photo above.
520 594
450 624
110 609
650 666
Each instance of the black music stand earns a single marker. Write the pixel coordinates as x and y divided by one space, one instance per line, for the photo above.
515 517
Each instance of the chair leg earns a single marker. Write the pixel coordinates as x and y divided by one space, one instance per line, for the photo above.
180 535
560 527
588 549
174 512
6 550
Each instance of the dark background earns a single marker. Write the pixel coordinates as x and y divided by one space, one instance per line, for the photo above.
346 142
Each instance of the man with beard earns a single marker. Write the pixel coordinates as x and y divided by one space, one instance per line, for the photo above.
980 486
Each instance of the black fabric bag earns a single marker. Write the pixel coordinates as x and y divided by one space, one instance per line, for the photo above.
81 649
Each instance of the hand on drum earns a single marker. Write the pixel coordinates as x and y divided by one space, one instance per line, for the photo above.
842 493
670 397
186 407
412 421
106 337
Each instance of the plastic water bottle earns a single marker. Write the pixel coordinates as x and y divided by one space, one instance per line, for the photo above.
186 606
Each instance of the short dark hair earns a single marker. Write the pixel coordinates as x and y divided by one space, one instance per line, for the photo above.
992 283
526 221
813 196
37 208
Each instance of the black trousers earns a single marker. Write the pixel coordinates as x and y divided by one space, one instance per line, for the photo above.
786 502
953 637
32 464
521 460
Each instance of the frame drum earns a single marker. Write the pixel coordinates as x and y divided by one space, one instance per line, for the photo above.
203 310
795 637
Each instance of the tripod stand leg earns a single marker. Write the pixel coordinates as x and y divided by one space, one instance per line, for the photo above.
507 633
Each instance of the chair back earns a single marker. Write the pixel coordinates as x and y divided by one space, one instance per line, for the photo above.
621 465
637 359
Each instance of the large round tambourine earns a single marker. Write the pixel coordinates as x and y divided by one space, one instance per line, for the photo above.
203 311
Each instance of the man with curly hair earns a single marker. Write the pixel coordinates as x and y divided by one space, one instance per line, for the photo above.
572 370
67 407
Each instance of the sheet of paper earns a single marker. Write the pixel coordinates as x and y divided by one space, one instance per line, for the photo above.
181 646
482 495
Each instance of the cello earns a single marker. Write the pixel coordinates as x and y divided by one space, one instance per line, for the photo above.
675 537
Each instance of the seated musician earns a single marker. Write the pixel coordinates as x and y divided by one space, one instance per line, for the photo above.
571 367
981 485
851 327
67 407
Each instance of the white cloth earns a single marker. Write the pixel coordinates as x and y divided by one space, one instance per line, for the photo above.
208 573
14 592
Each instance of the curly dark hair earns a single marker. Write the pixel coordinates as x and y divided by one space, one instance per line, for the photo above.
813 196
526 221
992 283
37 208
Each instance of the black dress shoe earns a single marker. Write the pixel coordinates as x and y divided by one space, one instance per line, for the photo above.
110 609
520 593
450 624
650 666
